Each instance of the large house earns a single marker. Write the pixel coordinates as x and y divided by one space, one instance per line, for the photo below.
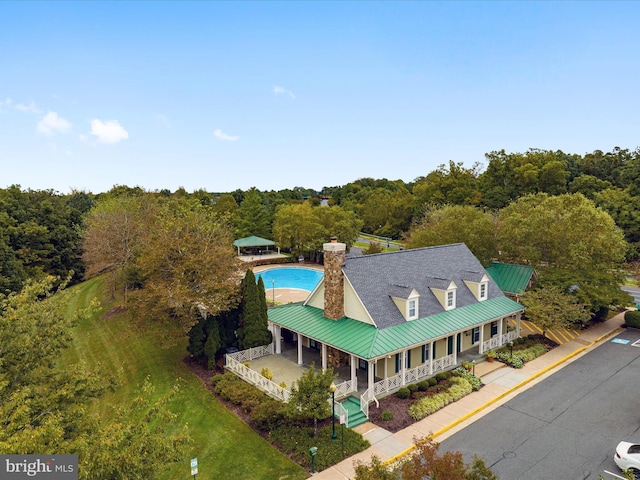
394 318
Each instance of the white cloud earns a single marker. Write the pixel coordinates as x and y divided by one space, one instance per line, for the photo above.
282 91
223 136
109 131
32 107
51 123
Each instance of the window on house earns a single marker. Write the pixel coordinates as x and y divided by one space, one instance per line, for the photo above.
450 345
425 352
408 359
362 364
412 309
475 335
451 299
494 329
483 291
397 362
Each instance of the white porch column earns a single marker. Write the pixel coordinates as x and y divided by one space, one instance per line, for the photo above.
431 357
300 362
518 325
324 357
352 360
455 348
481 347
403 369
278 338
370 374
500 330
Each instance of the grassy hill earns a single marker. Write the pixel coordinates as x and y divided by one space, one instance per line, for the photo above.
224 445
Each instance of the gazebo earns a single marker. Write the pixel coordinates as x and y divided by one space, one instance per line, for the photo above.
252 243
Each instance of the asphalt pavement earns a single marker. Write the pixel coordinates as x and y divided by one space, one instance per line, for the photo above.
501 383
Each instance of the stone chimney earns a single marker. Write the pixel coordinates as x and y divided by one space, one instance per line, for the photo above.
334 258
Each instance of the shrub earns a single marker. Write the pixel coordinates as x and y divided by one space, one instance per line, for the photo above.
460 387
386 416
475 382
632 318
423 385
269 415
432 382
412 387
442 376
266 373
403 393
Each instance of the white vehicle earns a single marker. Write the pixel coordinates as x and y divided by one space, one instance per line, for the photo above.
627 457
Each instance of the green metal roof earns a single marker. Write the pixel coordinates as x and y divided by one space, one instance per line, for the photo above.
511 278
252 241
366 341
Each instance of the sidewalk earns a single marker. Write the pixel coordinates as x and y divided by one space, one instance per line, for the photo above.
501 383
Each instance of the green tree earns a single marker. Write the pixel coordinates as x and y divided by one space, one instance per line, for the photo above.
455 185
188 265
562 231
114 236
457 224
296 227
213 343
253 330
551 307
310 394
253 217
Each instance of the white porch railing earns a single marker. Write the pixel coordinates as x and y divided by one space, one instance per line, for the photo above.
251 353
345 388
499 341
390 384
270 388
341 411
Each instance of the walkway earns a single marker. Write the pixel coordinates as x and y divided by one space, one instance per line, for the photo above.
501 384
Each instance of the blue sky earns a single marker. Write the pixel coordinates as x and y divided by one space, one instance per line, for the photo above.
274 95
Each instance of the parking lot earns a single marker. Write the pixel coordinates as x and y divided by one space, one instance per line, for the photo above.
568 425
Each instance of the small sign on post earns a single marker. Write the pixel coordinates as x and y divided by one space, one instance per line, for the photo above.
194 467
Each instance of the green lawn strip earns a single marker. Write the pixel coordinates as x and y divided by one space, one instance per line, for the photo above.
222 443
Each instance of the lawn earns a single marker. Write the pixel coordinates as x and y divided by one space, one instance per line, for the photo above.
224 445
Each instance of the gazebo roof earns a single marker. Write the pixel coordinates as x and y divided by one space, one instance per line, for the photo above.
252 241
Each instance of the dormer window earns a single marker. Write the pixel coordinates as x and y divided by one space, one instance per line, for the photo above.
483 291
407 301
413 309
451 299
478 284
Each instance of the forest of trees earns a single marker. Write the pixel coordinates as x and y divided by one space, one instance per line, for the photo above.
170 257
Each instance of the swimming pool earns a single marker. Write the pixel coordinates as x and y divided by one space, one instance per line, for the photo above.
291 277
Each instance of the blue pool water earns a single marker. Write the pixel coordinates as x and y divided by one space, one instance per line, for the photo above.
291 277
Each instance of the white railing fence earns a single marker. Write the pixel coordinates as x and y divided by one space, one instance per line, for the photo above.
251 353
270 388
499 341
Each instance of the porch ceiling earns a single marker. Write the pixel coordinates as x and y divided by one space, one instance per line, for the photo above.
366 341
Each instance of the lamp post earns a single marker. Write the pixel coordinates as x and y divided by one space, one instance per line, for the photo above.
511 349
273 291
474 367
332 389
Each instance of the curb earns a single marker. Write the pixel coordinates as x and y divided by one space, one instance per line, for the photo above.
475 411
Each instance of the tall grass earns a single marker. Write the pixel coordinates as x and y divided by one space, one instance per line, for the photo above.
130 352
